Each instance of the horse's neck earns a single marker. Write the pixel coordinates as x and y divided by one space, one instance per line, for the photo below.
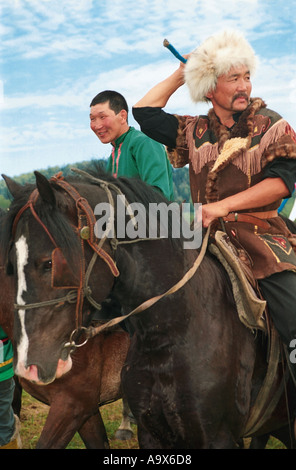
147 271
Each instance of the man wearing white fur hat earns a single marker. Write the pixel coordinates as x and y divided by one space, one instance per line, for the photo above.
242 161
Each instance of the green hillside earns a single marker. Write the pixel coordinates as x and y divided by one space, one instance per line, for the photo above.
180 178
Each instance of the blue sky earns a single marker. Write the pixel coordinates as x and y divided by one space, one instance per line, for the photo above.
56 55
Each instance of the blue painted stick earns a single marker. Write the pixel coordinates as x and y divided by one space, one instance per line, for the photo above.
174 51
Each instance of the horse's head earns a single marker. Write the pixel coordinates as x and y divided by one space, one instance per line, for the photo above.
49 259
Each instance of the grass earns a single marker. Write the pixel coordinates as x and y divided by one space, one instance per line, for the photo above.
33 417
274 443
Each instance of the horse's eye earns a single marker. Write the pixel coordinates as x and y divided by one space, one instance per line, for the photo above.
47 265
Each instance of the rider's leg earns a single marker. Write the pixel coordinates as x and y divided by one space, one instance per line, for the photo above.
279 290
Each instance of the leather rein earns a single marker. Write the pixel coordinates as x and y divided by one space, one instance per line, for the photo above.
85 231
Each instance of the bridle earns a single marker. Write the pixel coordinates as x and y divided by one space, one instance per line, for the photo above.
85 231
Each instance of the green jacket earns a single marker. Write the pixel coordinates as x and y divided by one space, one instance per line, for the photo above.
137 156
6 357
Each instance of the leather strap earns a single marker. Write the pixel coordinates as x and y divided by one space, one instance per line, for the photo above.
264 215
255 218
93 331
30 205
85 210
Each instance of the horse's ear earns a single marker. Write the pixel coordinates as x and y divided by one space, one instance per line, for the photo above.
13 187
45 190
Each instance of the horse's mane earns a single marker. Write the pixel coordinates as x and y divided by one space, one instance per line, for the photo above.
137 191
134 189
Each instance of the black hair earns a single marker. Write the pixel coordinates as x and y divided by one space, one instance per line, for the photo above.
116 101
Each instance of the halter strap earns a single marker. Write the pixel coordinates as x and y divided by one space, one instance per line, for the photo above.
30 205
86 219
84 210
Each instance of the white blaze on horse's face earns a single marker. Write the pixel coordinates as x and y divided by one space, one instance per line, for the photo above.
22 253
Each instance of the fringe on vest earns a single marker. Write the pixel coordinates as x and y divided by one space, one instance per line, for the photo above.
232 145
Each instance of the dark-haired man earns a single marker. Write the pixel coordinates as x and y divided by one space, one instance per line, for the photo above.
133 154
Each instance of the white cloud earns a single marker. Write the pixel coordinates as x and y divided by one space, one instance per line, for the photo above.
1 92
275 83
66 51
50 26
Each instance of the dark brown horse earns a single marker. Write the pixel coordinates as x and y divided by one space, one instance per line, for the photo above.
193 370
74 399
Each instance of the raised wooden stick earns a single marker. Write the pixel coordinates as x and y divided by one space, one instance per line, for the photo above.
174 51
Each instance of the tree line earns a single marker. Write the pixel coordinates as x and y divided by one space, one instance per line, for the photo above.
180 180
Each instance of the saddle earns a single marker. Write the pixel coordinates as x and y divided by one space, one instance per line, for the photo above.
250 305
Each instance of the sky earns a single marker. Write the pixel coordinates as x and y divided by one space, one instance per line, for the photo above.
56 55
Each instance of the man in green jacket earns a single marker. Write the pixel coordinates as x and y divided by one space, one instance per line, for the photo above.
9 423
133 153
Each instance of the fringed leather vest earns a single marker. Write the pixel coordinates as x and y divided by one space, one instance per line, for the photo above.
223 162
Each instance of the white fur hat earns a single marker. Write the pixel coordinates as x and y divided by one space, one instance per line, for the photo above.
215 57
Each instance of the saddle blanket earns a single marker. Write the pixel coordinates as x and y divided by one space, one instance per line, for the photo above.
249 306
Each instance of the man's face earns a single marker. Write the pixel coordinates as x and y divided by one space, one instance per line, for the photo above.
107 125
233 90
